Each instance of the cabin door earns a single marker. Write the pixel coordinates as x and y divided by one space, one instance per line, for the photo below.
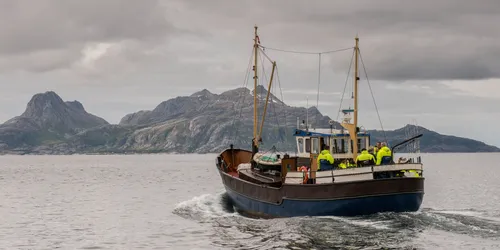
315 150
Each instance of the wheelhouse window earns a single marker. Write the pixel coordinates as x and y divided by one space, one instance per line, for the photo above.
300 145
308 145
343 146
334 148
325 141
315 146
363 142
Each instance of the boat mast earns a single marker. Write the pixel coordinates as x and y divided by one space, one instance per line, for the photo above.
255 49
356 78
255 140
353 127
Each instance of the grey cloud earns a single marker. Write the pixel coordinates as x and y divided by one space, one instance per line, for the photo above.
431 104
162 49
51 24
48 35
40 61
438 102
400 40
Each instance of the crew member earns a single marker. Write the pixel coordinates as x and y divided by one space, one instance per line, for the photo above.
378 146
371 150
350 163
343 164
325 160
365 158
384 151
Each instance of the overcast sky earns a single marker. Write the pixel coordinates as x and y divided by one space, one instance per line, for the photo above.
436 62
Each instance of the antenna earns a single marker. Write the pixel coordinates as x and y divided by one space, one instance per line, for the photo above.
331 122
307 113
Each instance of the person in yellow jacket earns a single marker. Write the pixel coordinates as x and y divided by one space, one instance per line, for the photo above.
350 164
343 164
412 172
365 158
371 150
378 146
384 151
325 160
346 163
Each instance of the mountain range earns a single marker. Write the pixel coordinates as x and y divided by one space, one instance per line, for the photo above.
203 122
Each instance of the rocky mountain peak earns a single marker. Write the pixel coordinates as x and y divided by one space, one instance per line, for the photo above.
75 105
202 93
235 93
50 112
43 103
412 128
261 89
244 93
262 93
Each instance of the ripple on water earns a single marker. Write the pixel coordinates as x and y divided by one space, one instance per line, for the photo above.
383 230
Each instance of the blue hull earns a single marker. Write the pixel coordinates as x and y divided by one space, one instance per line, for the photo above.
405 202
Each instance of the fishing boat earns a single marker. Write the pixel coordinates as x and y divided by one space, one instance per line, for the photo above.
291 185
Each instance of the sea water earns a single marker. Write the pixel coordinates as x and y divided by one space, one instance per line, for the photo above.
178 202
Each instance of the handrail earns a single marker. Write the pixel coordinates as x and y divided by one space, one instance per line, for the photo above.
264 177
403 142
348 177
350 174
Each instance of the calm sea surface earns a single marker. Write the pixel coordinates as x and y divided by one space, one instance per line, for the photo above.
178 202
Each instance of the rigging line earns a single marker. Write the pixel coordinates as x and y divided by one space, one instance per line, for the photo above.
273 104
264 80
264 73
276 113
267 82
245 84
264 53
306 52
345 86
282 99
241 111
319 81
338 50
373 97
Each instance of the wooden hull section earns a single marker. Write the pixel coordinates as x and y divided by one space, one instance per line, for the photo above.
362 205
269 197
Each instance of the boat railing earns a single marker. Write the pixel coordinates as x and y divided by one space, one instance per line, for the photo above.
355 174
264 177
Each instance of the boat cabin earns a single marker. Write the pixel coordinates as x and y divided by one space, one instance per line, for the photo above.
339 142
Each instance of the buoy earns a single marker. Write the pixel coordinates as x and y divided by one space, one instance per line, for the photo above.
306 176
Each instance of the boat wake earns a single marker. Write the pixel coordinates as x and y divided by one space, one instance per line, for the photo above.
470 222
206 208
383 230
396 230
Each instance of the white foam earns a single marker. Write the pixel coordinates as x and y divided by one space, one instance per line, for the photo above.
459 212
203 207
439 215
360 222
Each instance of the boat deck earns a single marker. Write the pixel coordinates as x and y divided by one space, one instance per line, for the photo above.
255 177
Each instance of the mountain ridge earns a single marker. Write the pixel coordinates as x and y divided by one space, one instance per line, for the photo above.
202 122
